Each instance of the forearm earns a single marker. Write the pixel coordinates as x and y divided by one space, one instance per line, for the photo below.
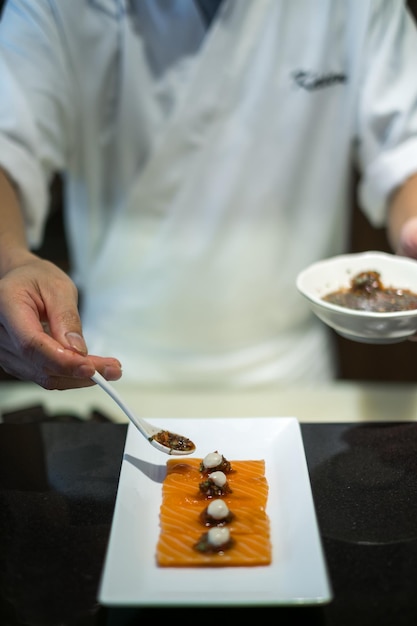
13 243
402 219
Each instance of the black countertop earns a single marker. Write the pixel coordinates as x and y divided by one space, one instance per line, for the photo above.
58 485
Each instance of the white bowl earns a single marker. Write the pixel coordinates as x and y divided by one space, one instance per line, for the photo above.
364 326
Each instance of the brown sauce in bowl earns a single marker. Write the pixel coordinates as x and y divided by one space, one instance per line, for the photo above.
367 293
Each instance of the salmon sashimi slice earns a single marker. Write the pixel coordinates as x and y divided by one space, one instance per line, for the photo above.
181 524
185 520
176 550
247 480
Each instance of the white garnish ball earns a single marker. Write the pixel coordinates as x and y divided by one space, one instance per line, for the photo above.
218 509
218 536
219 478
213 459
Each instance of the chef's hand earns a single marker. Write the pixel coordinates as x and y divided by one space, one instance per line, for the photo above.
40 329
407 245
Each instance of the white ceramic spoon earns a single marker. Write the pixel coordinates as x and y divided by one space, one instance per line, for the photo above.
163 440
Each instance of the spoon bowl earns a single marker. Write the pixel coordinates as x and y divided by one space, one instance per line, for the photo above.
162 440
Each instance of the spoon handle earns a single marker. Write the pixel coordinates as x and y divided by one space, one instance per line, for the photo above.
163 440
98 378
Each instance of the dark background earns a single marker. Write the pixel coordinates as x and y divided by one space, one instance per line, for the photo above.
396 363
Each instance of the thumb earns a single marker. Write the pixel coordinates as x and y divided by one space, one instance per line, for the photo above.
65 326
408 239
76 342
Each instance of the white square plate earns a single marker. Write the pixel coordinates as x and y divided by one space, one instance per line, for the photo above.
297 574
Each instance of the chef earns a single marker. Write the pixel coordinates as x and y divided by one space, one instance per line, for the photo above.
206 160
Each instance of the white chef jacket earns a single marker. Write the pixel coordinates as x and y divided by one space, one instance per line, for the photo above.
205 168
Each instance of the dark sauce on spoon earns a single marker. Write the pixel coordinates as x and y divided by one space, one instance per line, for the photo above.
367 293
173 441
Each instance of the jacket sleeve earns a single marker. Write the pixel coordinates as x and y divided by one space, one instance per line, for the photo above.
387 109
34 105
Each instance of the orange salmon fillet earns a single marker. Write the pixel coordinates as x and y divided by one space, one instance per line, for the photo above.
182 504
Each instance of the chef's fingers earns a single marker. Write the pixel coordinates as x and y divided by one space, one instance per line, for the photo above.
408 239
40 329
60 314
30 352
42 360
46 363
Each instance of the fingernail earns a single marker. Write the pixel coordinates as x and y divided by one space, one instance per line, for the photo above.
112 373
77 343
85 371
